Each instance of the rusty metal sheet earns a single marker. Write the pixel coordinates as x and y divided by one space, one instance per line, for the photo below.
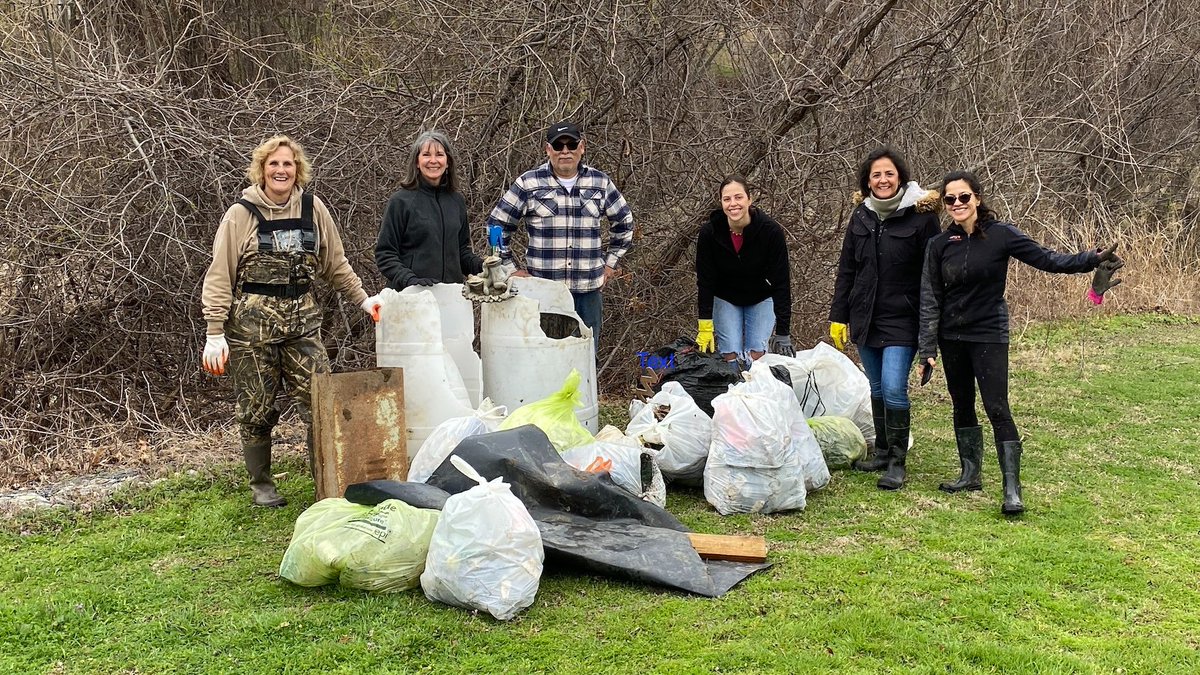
358 428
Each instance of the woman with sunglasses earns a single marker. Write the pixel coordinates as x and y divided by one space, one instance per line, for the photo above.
743 279
963 314
423 239
876 297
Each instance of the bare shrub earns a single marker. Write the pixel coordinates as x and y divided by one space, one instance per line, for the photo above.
125 129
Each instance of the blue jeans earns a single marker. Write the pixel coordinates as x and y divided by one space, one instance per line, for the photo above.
741 330
590 306
887 371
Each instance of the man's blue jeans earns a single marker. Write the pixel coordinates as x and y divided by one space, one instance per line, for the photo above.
590 306
887 371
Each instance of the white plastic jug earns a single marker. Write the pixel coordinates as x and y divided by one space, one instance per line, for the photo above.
521 364
409 335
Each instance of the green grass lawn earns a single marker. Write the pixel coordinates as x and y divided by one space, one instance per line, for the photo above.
1101 575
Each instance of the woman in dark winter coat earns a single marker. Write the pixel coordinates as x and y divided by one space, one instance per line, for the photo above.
963 314
876 297
743 281
423 239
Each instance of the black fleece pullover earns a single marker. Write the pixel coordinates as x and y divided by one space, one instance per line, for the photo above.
962 285
424 234
759 271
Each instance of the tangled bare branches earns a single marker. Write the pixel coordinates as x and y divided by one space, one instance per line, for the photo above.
126 127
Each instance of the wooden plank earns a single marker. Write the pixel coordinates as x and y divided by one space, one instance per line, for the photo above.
729 547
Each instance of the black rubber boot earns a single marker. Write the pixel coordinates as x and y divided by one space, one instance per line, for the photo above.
970 457
1009 453
257 453
898 423
879 460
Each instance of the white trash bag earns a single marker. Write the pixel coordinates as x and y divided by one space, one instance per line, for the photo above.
626 462
826 382
804 441
752 466
681 438
486 552
447 435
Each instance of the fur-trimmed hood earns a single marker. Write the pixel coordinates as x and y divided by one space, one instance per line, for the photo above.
924 201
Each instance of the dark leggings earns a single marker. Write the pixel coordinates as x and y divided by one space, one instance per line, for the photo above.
966 363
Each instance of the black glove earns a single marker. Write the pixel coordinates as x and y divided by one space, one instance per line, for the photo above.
421 281
782 345
1103 279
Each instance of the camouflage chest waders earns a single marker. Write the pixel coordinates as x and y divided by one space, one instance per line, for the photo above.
274 334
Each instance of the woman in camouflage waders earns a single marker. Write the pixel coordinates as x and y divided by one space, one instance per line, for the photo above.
263 320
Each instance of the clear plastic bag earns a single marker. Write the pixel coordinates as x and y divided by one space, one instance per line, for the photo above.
681 437
372 548
486 551
808 451
555 415
447 435
632 467
752 465
826 382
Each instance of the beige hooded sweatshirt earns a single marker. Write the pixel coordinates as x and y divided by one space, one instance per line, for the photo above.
237 235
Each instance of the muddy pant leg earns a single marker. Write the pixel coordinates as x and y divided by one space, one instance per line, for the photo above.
960 381
301 357
255 371
991 371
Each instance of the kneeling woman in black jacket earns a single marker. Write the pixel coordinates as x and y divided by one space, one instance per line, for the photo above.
743 281
964 314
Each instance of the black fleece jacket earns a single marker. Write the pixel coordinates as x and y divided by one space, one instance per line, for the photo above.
878 287
424 234
759 271
962 286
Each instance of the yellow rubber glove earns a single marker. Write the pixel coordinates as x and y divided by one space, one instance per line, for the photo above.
840 333
704 338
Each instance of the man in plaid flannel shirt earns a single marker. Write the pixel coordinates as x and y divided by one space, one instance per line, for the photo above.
562 203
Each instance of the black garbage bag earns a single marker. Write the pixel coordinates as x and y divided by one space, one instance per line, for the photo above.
703 376
587 523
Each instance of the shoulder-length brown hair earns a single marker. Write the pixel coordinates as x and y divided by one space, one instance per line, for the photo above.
254 172
412 176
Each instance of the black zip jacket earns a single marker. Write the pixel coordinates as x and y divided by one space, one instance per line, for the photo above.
878 286
962 287
424 234
758 272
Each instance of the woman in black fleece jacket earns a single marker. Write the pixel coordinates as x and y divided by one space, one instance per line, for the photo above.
964 314
423 239
743 280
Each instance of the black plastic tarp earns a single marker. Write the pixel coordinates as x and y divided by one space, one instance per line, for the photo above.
587 523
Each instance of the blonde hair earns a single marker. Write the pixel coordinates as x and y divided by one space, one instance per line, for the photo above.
254 172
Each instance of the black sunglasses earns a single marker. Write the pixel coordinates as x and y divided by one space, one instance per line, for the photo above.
568 143
964 198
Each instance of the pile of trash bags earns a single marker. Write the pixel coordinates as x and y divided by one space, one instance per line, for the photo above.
770 440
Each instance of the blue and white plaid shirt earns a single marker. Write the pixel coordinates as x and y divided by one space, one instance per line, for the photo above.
564 227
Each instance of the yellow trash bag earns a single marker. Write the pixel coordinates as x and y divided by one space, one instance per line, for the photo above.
372 548
555 415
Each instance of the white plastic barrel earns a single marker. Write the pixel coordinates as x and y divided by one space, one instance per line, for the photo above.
458 334
409 335
521 364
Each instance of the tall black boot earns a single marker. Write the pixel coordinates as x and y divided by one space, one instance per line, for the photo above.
898 423
1009 453
970 457
879 460
256 450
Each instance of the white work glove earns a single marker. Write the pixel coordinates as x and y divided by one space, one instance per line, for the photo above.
372 305
216 354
